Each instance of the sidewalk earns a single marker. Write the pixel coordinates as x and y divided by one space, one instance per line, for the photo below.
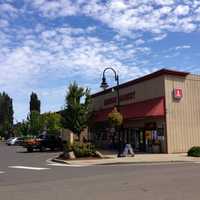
112 159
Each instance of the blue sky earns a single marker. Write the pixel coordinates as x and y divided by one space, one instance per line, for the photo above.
46 44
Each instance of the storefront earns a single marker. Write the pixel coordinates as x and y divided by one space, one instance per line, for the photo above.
159 110
147 138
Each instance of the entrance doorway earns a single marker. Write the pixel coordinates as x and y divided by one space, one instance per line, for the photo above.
135 137
144 140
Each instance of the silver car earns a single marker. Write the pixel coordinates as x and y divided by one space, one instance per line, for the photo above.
14 141
8 141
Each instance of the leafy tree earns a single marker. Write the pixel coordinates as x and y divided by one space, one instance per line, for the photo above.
76 112
22 128
115 118
52 122
34 103
6 114
35 123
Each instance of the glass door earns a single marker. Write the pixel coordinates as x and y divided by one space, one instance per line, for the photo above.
136 137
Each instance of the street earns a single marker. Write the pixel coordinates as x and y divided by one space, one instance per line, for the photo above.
28 176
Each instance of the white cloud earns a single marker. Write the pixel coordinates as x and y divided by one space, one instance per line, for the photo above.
118 5
165 10
7 11
182 10
139 41
164 2
128 17
62 53
55 7
5 7
3 23
56 54
160 37
183 47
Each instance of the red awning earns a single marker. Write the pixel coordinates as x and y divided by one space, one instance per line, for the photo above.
149 108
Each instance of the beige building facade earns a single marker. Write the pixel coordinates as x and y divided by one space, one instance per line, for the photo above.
161 113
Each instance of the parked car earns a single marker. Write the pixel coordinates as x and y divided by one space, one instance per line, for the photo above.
43 142
15 141
8 141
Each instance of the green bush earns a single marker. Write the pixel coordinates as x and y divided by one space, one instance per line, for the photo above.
194 152
82 149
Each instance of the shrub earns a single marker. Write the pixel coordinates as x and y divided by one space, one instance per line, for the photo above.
82 149
194 151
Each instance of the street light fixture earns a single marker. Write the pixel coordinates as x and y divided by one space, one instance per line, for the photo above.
104 85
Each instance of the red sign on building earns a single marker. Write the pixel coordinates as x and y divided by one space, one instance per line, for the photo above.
178 93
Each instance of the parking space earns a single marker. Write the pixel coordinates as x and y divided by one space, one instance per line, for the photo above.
16 157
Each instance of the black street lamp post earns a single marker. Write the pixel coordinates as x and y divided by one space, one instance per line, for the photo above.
104 85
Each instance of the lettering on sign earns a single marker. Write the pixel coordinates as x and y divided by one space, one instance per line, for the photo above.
124 97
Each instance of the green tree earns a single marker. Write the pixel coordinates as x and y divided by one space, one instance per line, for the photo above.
6 114
22 128
52 122
34 103
76 112
35 123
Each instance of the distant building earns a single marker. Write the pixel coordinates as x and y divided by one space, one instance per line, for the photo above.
161 112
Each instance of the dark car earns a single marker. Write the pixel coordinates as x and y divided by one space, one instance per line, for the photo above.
43 142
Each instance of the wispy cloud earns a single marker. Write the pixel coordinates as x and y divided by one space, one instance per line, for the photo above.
183 47
155 16
60 53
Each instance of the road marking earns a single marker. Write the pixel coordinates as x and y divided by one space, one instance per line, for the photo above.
26 167
1 172
66 165
58 164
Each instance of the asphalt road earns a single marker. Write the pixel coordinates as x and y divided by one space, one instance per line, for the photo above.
27 176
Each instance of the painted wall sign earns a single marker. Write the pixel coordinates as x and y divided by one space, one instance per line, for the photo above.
178 93
124 97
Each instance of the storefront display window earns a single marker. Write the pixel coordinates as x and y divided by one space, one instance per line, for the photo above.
154 139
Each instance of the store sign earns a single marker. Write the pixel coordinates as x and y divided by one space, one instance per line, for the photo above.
178 93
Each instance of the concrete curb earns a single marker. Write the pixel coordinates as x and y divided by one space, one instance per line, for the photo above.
123 163
147 162
60 161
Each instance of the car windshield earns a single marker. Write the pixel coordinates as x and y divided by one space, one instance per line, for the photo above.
42 136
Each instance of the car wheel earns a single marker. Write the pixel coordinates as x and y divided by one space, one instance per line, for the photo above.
52 148
29 149
42 149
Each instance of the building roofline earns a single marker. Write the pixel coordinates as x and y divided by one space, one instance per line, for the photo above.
144 78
